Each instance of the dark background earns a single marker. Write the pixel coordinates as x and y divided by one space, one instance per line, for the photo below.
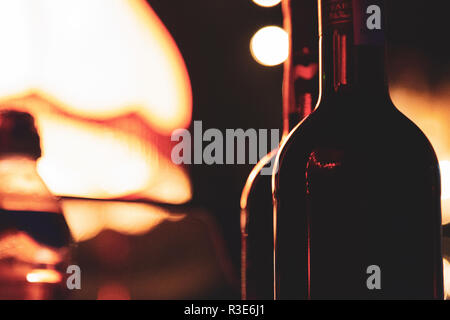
231 90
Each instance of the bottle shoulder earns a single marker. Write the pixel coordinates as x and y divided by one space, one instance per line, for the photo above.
260 175
361 131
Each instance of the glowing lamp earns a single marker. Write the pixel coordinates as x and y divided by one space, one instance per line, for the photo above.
107 86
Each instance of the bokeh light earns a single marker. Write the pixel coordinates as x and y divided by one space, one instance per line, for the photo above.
270 46
267 3
44 276
446 279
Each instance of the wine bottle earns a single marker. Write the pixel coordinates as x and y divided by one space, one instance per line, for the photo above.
357 186
300 91
34 237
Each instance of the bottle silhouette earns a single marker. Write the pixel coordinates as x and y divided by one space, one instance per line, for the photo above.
357 191
34 236
300 91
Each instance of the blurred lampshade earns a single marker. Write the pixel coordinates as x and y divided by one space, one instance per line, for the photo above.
107 86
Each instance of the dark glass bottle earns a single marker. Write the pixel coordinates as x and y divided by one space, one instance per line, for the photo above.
357 191
34 236
300 91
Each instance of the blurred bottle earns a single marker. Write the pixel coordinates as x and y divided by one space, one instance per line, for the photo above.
34 236
300 91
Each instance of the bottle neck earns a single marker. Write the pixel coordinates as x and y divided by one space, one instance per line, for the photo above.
352 48
301 69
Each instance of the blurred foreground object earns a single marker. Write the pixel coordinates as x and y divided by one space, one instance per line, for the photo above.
129 250
107 85
34 236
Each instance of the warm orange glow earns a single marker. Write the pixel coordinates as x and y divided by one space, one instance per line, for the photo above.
113 291
445 181
97 163
102 160
22 188
305 72
429 110
107 86
44 276
87 218
23 248
447 279
270 46
97 59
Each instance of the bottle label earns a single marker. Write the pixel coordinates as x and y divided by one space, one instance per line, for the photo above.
336 12
368 22
367 17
